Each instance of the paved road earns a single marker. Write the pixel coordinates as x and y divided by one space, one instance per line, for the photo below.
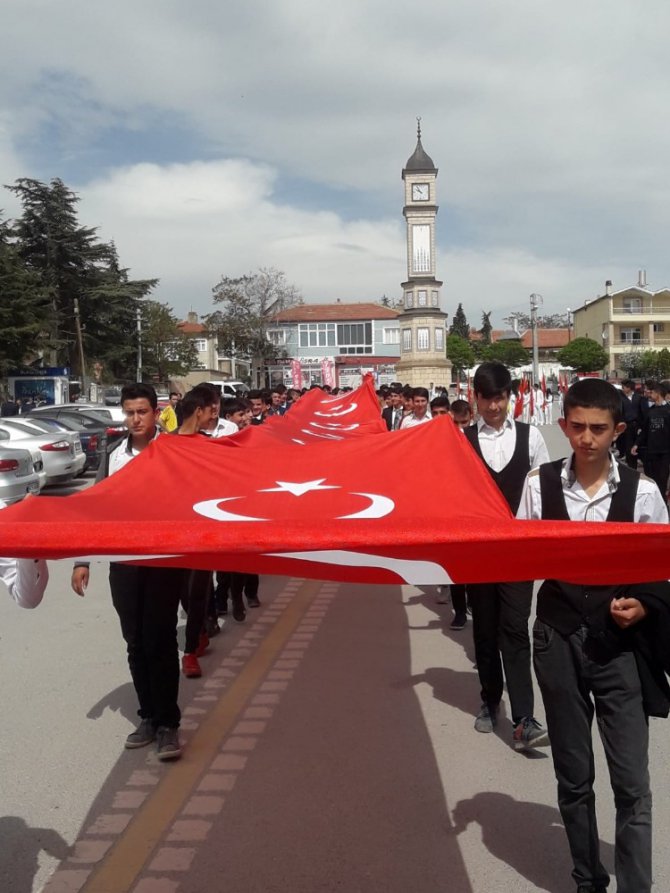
329 748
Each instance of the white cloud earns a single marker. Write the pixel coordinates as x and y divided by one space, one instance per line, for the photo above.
548 125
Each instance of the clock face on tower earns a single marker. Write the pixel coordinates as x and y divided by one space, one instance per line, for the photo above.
420 192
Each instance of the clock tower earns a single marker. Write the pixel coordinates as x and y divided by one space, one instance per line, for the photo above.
423 324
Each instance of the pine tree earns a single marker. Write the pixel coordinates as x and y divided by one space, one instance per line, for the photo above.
459 324
486 328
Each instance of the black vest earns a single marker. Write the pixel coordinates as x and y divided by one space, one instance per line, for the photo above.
511 479
566 606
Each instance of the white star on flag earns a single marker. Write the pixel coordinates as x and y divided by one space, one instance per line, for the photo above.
298 489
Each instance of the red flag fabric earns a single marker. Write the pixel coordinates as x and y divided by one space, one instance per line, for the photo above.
416 505
518 406
544 385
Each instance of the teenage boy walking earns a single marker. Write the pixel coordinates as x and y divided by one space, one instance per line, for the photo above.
586 641
501 611
145 598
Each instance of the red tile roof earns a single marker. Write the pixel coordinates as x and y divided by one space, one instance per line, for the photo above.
339 312
547 339
191 328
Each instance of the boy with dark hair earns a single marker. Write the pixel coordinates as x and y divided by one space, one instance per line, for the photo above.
393 414
461 413
587 645
653 441
501 611
420 412
439 406
145 598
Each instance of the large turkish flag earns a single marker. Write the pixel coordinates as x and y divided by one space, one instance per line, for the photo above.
370 506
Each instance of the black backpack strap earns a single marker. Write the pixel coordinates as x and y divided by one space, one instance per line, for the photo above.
551 491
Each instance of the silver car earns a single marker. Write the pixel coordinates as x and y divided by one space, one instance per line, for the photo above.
17 475
58 451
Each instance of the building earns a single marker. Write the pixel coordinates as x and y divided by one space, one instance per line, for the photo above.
635 318
334 344
211 363
423 324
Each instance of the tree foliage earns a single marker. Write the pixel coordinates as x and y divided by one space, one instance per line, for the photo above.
547 321
486 328
72 269
512 353
646 364
248 305
460 352
584 355
166 351
459 324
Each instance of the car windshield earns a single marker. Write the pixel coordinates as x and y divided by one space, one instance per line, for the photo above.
79 421
61 424
20 426
100 417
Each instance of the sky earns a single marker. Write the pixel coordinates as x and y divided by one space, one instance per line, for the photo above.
210 139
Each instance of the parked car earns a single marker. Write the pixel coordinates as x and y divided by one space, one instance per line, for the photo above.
90 418
17 475
115 413
62 461
93 435
112 396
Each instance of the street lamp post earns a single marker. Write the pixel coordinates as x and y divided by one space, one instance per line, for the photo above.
80 345
534 301
139 345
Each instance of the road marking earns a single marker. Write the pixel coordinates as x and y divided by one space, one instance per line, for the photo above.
137 844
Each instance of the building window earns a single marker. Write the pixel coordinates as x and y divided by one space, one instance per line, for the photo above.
409 299
439 339
423 339
350 350
276 337
406 339
659 327
422 298
421 248
354 333
200 344
435 298
632 305
391 336
630 336
317 334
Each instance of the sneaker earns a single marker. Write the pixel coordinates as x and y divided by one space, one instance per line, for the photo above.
190 666
459 621
253 603
203 645
442 597
486 719
529 733
168 747
144 734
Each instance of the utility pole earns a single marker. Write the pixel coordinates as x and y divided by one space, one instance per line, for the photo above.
80 344
534 301
139 345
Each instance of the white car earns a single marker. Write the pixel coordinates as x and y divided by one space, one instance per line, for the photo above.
114 413
17 475
58 451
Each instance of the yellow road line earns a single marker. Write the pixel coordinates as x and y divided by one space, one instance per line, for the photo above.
124 862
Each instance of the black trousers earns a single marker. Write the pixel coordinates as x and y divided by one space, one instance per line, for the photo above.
458 597
625 442
657 467
146 600
578 678
195 601
243 583
500 615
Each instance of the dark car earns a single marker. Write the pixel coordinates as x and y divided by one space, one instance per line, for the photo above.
90 418
93 436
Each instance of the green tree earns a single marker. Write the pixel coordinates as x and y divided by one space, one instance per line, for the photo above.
76 270
511 353
166 351
547 321
24 308
486 328
646 364
459 324
584 355
460 352
249 304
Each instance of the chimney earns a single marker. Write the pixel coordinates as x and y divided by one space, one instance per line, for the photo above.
608 286
192 316
642 278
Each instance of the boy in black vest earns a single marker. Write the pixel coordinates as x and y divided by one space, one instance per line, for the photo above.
501 611
588 640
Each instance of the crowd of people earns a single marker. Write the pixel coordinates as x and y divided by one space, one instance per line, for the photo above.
595 649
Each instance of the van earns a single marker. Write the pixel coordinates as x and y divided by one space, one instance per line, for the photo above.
231 388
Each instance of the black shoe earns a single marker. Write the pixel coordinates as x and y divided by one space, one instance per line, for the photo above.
212 627
239 614
253 603
144 734
221 612
459 621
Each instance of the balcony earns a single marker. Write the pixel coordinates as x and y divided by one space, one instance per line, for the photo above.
626 346
647 313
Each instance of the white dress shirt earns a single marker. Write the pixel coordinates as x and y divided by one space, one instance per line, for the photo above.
650 507
498 444
411 421
26 578
224 428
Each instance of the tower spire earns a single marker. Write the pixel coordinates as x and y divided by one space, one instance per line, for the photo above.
418 127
